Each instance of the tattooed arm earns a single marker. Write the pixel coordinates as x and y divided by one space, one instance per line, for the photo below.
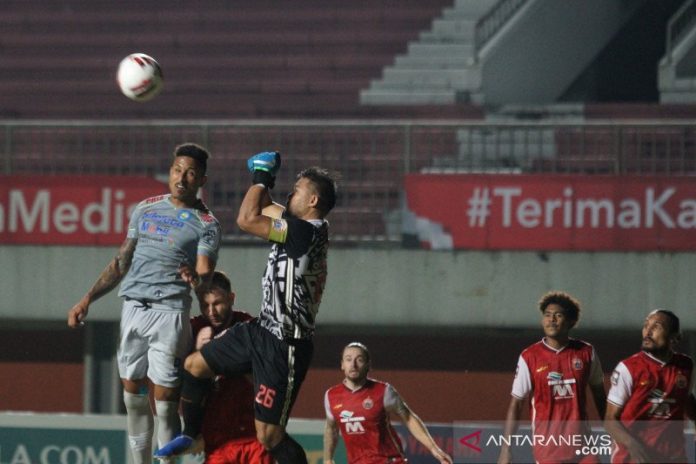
107 281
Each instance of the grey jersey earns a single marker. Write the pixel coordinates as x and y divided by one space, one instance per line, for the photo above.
294 280
167 237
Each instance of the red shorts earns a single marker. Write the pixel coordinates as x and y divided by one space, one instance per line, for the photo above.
239 452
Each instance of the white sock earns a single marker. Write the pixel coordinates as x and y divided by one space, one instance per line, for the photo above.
140 427
168 421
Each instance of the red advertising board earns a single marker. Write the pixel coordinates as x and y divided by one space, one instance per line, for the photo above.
70 210
534 212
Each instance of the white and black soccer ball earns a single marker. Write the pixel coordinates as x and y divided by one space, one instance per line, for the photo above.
139 77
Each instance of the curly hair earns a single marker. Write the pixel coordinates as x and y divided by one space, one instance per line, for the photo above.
570 305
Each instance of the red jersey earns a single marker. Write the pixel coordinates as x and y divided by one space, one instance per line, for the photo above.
653 395
363 419
557 381
228 424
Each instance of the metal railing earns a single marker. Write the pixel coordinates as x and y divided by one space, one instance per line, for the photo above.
494 20
679 24
372 156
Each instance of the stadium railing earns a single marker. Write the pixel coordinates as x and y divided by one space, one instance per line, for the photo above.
372 156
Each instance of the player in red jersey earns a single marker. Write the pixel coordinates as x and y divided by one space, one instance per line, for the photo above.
555 372
360 407
651 393
228 426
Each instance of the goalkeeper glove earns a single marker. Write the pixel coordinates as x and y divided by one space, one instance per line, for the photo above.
264 166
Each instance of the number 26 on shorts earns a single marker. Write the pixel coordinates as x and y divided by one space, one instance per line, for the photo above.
265 396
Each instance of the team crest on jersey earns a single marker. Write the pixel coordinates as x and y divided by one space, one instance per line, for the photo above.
184 215
368 403
279 225
681 381
577 364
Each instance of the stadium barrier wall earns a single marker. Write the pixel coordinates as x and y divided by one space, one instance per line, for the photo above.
374 286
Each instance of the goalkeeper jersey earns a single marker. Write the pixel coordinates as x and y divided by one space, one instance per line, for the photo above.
293 282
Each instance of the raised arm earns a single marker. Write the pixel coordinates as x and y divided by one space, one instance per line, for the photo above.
107 281
251 218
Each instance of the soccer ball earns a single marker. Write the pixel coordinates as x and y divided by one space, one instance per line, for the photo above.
139 77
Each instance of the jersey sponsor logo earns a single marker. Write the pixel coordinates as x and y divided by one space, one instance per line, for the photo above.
368 403
209 237
660 404
562 389
207 218
542 368
155 199
354 428
154 229
577 364
162 219
352 424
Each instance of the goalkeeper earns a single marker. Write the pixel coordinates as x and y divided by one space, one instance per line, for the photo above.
277 347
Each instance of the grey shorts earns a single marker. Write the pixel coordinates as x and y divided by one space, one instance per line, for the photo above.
153 342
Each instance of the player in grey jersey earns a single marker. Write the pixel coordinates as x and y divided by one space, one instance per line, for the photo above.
164 233
278 347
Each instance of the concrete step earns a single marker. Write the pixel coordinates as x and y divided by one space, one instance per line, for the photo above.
678 97
451 50
433 62
436 79
454 26
449 38
375 97
474 12
476 7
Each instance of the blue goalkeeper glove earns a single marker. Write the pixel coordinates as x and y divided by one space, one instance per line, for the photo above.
264 166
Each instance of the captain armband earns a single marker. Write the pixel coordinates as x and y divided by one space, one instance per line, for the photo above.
279 231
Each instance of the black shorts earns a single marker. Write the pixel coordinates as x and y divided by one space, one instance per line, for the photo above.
279 367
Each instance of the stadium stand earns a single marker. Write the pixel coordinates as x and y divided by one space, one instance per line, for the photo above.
221 59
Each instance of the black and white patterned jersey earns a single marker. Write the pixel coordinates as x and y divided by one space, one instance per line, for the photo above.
293 282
